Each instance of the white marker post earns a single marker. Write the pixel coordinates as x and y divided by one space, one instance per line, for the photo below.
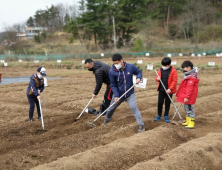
142 84
20 60
5 65
199 55
36 61
217 55
83 62
169 55
149 68
193 55
59 65
147 54
139 61
45 82
211 64
102 54
173 63
2 61
196 69
181 55
204 54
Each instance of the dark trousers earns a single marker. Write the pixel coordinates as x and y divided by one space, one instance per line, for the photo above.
108 96
162 95
32 102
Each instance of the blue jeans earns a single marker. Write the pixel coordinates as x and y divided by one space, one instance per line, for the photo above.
32 102
131 100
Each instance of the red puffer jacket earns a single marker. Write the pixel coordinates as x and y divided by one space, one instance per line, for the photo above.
188 88
172 80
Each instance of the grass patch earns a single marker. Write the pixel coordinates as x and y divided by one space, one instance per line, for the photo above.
68 73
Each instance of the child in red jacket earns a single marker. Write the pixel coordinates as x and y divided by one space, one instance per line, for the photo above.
168 76
187 92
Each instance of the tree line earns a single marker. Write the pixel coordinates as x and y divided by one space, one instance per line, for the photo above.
180 18
94 19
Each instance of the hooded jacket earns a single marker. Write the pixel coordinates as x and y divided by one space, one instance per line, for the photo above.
35 84
121 80
188 88
101 71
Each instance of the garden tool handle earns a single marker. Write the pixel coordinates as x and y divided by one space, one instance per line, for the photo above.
41 114
165 89
85 108
114 103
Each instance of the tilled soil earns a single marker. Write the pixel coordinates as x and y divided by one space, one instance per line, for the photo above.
70 144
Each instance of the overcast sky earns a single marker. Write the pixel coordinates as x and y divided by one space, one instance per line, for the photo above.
17 11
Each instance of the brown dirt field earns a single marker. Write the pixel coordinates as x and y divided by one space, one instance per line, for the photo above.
70 144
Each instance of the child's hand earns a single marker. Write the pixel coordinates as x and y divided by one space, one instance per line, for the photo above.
186 100
168 91
158 78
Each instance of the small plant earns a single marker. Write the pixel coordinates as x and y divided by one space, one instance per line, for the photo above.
139 68
68 67
158 64
37 38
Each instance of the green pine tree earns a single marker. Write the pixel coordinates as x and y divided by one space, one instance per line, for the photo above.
30 22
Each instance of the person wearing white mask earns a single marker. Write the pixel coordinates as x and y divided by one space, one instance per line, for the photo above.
121 79
36 86
168 76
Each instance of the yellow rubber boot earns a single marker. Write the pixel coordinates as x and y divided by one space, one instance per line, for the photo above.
187 121
191 123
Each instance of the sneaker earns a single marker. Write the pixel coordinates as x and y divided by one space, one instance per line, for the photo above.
105 121
141 128
30 120
39 118
157 118
167 120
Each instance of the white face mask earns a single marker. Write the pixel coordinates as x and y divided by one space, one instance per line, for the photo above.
39 76
165 68
118 66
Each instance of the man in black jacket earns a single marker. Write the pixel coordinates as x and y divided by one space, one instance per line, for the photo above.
101 71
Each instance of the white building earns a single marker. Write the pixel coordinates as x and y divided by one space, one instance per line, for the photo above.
30 32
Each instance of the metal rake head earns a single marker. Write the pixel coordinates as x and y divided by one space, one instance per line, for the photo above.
91 124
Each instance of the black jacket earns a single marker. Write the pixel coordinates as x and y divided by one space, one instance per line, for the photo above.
164 77
101 71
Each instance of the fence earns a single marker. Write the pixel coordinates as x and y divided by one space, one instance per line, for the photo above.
98 56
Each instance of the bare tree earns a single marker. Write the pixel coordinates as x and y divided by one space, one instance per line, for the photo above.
19 27
196 16
147 26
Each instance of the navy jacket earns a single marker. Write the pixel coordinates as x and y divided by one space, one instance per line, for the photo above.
121 80
32 84
101 71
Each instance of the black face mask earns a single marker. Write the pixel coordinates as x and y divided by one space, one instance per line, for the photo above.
91 69
184 71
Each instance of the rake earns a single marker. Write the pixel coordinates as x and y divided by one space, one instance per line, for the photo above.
92 124
84 109
177 109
